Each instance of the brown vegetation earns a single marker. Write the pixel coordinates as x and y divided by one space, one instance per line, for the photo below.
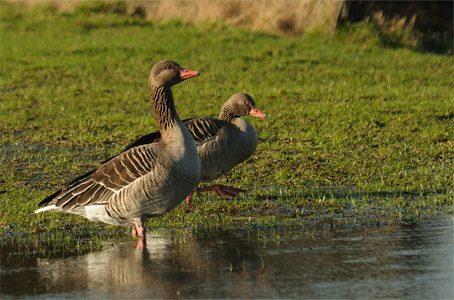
413 25
289 17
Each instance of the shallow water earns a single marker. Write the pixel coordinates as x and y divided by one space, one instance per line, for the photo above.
411 261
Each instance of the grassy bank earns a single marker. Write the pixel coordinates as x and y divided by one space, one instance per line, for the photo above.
355 130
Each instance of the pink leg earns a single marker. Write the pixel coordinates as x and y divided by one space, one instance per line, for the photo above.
141 231
134 230
138 230
188 199
222 190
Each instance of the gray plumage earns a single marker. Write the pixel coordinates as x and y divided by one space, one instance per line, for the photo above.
221 143
144 181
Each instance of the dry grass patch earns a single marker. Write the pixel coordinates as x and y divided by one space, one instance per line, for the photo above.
288 17
397 31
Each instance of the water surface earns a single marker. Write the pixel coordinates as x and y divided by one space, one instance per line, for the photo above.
410 261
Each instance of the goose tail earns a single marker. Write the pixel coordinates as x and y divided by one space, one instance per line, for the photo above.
48 208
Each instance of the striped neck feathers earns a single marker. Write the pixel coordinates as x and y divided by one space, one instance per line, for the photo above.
163 106
227 114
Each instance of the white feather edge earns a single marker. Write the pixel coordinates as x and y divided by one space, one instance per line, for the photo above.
48 208
91 212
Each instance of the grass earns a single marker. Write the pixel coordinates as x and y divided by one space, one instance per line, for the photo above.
356 131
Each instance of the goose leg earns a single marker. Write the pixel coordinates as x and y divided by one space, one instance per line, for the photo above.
138 230
134 230
222 190
189 198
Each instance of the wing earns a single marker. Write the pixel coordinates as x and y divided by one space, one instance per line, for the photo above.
143 140
204 129
118 172
100 185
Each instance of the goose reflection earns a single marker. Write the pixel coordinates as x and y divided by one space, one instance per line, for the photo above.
168 266
114 269
367 262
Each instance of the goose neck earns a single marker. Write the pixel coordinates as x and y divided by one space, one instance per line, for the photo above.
227 115
163 106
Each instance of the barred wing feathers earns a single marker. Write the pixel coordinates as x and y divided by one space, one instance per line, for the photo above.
204 130
101 185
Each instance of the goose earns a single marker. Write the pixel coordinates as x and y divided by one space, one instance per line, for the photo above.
144 181
222 143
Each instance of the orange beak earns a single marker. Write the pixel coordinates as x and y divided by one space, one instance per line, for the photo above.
185 73
255 112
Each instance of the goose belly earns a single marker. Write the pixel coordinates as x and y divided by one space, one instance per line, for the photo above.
221 156
150 198
212 168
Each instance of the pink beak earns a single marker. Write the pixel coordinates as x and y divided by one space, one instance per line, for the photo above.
255 112
185 73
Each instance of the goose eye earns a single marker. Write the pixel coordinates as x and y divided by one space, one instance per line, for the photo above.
168 68
245 102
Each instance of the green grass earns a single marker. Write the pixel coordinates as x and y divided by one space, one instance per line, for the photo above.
356 131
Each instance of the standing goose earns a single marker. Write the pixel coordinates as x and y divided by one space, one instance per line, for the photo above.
145 181
222 143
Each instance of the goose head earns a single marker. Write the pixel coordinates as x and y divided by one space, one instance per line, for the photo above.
241 104
168 73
